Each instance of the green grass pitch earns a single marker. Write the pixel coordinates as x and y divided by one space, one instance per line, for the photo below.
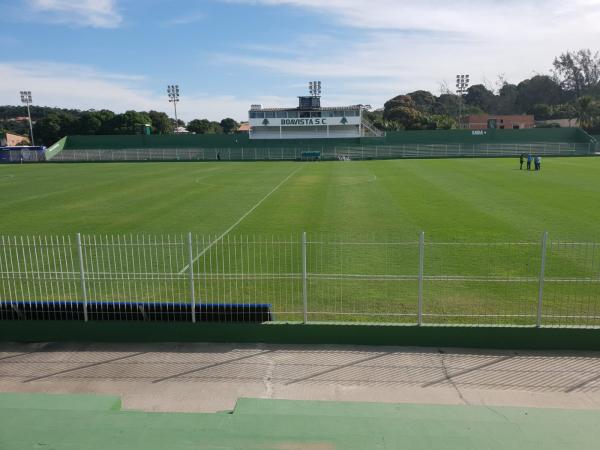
468 200
454 201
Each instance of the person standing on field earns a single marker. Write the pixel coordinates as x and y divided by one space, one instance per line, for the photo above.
521 160
538 163
529 158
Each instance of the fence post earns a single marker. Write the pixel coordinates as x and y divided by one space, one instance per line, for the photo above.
191 274
304 280
421 264
82 278
541 286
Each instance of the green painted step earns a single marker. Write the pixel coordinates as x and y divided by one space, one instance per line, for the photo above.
257 406
59 402
449 427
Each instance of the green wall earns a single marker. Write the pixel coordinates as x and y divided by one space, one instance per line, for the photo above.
491 136
196 141
392 139
287 333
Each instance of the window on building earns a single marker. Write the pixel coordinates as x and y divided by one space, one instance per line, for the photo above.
281 114
292 114
270 114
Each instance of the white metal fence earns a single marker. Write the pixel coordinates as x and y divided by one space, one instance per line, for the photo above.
301 278
332 153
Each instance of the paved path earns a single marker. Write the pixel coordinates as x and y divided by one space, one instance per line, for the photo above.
211 377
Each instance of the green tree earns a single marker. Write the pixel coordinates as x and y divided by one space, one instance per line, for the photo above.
442 122
48 129
404 101
161 123
130 122
481 97
578 72
506 100
424 101
447 104
541 111
204 126
540 89
588 112
106 117
229 125
564 111
376 118
403 110
90 122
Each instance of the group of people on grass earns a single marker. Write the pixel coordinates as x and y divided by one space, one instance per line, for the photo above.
536 160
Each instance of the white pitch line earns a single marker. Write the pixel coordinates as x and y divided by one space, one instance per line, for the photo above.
228 230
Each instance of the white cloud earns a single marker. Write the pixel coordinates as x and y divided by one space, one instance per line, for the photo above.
83 87
92 13
186 19
392 46
486 17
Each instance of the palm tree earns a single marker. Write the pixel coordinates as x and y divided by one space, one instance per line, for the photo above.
586 108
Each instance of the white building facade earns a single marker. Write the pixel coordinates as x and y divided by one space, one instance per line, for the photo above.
309 121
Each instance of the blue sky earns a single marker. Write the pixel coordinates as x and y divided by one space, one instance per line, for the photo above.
227 54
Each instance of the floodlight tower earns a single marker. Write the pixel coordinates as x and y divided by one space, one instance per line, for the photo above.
314 87
462 87
173 93
26 98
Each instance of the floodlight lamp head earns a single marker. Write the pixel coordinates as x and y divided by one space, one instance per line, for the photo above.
26 96
314 88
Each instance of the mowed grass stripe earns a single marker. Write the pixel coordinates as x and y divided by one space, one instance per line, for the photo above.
237 222
470 200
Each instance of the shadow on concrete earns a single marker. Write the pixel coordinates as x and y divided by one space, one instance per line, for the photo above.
286 365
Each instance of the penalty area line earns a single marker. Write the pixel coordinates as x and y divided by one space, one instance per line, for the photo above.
228 230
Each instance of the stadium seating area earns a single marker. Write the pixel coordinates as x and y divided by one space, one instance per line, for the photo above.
97 422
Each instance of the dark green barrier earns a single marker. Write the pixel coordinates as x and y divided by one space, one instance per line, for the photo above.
465 137
284 333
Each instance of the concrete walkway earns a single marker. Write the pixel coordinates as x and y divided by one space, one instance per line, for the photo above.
212 377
